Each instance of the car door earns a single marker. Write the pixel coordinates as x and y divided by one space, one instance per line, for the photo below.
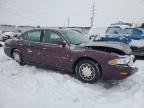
54 54
29 45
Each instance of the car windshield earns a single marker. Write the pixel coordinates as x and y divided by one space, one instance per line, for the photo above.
75 37
114 30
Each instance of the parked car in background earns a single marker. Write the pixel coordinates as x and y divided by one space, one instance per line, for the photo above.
71 51
134 33
115 38
7 35
130 33
131 36
116 33
112 34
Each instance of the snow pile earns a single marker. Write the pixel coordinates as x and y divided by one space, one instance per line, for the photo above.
32 87
137 43
11 34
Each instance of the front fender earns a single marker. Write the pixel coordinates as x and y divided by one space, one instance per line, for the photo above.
99 56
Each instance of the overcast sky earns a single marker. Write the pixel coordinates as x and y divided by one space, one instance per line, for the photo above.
56 12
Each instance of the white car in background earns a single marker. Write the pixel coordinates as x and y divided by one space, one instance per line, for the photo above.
7 35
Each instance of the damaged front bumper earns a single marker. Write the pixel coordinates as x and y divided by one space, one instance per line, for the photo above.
120 71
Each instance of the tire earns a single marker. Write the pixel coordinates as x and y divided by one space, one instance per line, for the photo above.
87 71
17 56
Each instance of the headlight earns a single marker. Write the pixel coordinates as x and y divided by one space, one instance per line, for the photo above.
120 61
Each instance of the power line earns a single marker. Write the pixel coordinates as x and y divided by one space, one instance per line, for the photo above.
68 21
92 14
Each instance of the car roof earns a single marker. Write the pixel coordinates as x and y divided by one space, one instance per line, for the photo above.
134 28
54 29
121 27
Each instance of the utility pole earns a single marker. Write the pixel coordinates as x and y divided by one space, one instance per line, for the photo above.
68 21
92 14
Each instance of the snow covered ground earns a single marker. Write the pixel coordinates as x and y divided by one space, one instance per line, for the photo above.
32 87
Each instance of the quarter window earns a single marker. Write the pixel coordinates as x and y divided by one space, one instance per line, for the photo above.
51 37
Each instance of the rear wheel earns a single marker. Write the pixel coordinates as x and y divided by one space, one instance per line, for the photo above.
17 56
87 71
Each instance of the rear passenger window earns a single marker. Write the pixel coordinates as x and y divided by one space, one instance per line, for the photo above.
50 37
34 36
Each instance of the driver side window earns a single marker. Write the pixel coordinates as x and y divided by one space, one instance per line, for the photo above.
51 37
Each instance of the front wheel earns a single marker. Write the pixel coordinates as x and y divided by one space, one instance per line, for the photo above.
87 71
17 56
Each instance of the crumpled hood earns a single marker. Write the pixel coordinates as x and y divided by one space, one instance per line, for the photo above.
115 45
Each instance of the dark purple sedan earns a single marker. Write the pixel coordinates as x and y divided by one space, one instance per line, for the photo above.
73 52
